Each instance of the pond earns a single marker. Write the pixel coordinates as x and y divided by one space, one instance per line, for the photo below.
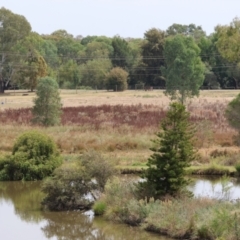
224 188
21 217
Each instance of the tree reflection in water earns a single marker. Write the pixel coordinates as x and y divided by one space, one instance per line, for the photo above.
76 226
70 225
26 198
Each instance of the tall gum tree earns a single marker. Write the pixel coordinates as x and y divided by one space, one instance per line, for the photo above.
34 67
228 45
13 28
188 30
184 70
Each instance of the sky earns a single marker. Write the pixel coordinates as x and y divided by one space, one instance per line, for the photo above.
127 18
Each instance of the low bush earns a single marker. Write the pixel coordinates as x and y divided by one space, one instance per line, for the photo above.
34 157
120 203
77 184
99 207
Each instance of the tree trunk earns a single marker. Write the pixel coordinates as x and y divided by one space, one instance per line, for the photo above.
1 75
1 86
236 83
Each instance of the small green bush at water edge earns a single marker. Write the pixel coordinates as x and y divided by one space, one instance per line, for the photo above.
99 208
34 157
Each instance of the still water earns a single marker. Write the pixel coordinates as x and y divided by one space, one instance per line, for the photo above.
224 188
22 219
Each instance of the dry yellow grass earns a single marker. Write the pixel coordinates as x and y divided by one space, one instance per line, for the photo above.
125 147
17 99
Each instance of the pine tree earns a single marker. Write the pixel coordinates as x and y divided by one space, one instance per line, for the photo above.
173 153
47 104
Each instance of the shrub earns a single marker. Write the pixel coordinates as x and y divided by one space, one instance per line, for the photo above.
5 166
99 207
34 157
77 184
120 204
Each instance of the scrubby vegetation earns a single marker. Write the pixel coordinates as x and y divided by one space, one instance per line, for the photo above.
182 217
34 157
77 184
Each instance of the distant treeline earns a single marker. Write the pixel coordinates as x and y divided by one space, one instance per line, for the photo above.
85 61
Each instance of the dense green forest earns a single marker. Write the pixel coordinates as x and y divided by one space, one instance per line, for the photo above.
95 61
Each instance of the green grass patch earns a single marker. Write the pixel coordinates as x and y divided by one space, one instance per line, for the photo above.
99 208
211 169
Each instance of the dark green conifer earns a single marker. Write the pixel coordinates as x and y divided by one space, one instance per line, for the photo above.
172 153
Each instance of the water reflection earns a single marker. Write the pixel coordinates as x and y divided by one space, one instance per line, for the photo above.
26 198
223 188
20 210
74 226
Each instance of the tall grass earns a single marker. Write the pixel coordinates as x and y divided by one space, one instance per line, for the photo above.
183 218
212 127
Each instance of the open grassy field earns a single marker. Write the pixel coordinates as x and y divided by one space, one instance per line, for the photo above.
122 124
21 99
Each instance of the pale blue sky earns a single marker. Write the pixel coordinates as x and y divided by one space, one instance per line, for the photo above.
128 18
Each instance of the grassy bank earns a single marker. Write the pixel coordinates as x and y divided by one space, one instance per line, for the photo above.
182 218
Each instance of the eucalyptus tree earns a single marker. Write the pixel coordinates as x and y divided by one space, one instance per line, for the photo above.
183 70
32 68
68 47
93 73
69 75
13 28
228 46
188 30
